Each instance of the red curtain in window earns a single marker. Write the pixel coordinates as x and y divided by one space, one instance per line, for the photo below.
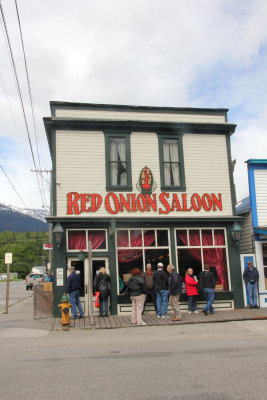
77 239
212 256
125 256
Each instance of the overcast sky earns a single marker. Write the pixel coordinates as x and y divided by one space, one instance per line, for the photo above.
183 53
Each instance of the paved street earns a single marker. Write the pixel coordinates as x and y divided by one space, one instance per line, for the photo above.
17 292
225 361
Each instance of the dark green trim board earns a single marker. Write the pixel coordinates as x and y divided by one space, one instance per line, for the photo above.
113 275
231 173
54 173
164 187
125 135
173 247
235 269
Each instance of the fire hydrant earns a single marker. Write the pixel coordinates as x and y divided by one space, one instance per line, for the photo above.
64 306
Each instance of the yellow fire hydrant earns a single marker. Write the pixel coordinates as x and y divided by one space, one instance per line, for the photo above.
64 306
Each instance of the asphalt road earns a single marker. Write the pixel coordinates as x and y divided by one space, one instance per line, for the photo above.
17 292
226 361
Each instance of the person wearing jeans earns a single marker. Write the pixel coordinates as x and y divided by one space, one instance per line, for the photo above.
251 277
161 279
101 284
73 288
208 280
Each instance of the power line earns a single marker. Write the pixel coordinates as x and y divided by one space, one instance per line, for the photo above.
13 186
20 95
30 92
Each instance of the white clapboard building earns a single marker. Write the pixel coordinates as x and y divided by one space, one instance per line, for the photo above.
143 184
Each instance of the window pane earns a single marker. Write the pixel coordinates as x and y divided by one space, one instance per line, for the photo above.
181 236
189 258
216 257
219 237
170 160
118 165
77 240
154 256
98 239
127 261
162 237
194 237
122 239
149 238
136 238
207 238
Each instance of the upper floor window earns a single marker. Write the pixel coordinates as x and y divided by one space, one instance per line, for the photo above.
118 162
172 165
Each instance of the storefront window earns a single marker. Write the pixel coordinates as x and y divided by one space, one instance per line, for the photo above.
78 239
144 246
201 254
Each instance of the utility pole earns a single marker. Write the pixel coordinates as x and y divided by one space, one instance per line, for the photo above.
8 261
50 251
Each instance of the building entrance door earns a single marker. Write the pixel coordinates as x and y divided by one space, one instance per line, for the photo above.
82 268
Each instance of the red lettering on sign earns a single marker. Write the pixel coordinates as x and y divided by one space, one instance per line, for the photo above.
73 199
151 202
133 203
141 207
125 203
196 198
84 199
217 201
184 197
96 202
176 206
207 202
116 203
165 203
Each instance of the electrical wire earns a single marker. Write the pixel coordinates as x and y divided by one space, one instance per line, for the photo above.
30 93
9 180
20 97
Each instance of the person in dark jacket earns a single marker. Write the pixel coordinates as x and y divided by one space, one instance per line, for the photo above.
73 288
161 279
251 277
151 292
175 289
208 282
136 288
101 285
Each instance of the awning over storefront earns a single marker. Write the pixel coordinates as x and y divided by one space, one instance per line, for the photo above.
261 230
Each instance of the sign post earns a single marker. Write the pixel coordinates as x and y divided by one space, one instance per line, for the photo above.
90 285
8 261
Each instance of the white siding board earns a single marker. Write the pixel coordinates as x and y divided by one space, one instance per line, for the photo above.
261 195
139 116
80 167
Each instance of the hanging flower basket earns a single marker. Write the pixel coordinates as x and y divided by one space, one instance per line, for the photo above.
81 255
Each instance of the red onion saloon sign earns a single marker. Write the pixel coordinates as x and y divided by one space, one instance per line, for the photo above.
163 203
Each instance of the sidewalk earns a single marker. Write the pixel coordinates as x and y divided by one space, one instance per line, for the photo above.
123 321
19 322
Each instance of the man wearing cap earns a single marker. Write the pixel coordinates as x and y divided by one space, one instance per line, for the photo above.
161 279
73 288
151 293
251 277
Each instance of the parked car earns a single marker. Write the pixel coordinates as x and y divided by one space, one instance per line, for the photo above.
32 279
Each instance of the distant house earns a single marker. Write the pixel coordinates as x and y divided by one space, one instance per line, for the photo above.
254 211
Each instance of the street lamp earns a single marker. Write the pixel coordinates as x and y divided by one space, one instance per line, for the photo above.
236 233
58 232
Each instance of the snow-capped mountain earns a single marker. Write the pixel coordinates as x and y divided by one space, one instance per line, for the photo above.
22 219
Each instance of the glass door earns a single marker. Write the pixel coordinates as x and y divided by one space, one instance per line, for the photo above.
81 268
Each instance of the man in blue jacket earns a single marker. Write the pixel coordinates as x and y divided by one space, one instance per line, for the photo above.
73 288
251 277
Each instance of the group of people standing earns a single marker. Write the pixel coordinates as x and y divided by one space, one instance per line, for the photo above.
162 287
165 286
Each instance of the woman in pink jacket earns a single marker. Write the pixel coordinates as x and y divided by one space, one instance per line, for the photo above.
191 291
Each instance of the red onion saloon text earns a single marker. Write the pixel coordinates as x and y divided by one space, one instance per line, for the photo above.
164 203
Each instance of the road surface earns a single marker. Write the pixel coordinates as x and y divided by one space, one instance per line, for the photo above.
217 361
17 292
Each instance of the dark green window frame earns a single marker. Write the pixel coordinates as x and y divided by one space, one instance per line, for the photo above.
119 135
179 138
